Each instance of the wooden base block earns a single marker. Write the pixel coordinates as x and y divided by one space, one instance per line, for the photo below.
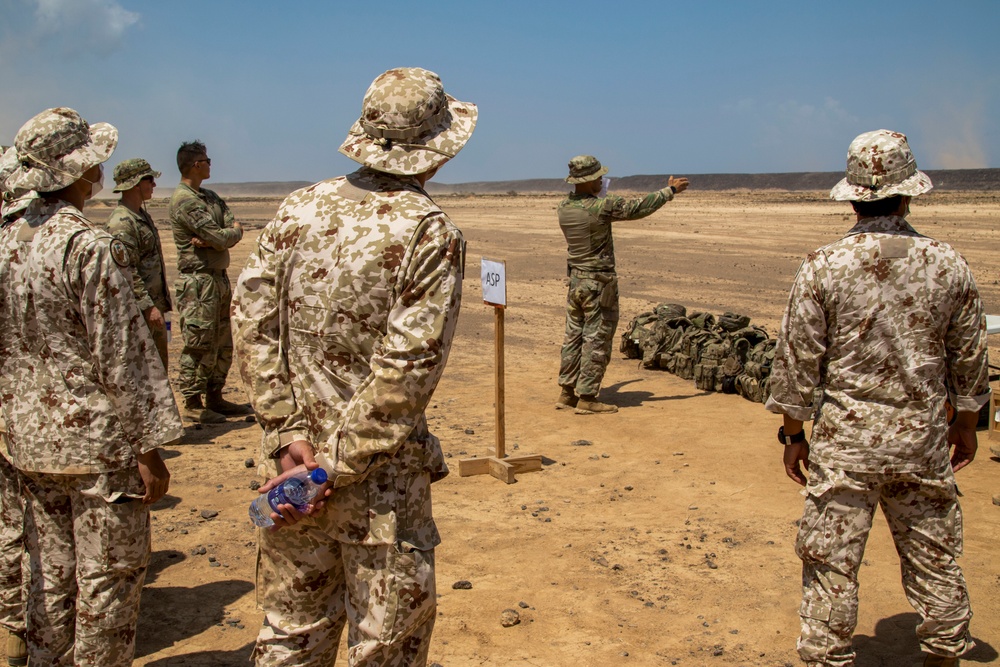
503 469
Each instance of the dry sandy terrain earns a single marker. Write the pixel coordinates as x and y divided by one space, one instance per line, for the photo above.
667 540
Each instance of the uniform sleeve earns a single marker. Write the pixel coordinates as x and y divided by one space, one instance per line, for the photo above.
966 349
123 228
126 361
194 215
632 208
408 364
259 341
802 343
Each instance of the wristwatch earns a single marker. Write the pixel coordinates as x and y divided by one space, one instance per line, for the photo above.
790 439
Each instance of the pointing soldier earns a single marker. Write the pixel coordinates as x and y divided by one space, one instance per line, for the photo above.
585 218
343 320
132 224
85 399
887 327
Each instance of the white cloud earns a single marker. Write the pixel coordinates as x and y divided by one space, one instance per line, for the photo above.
953 132
63 27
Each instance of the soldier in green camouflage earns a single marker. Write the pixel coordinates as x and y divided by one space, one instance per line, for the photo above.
131 223
585 218
204 230
85 399
343 319
883 328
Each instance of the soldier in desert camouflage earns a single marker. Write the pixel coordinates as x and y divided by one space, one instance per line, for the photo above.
204 230
132 225
343 319
84 397
887 325
585 218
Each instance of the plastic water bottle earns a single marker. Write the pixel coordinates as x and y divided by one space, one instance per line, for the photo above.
166 320
297 491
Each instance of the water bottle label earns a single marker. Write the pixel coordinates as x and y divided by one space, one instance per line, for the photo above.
169 334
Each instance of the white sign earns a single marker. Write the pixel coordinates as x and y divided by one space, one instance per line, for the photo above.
494 282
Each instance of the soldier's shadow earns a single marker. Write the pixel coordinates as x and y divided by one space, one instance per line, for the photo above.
204 434
894 644
236 658
633 399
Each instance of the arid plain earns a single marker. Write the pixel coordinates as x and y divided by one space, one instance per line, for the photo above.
667 539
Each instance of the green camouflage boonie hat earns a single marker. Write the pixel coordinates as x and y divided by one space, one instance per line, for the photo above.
408 124
880 165
53 149
128 173
585 168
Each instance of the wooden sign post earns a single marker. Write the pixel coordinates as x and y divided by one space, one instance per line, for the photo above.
494 279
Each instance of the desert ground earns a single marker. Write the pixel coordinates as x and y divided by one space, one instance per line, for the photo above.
665 539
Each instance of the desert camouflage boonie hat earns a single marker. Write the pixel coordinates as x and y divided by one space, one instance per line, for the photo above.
408 124
54 148
128 173
585 168
12 203
880 165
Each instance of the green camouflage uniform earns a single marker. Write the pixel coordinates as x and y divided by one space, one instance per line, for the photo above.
202 290
592 299
83 394
888 324
343 319
145 258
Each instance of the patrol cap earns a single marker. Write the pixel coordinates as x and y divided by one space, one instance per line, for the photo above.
128 173
408 124
585 168
880 165
53 149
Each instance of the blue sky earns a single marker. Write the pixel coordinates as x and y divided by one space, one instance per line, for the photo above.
648 87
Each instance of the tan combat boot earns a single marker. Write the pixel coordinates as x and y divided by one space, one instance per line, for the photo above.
17 649
589 405
195 411
214 401
940 661
995 450
567 399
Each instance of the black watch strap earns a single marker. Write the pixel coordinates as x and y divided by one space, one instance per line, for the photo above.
790 439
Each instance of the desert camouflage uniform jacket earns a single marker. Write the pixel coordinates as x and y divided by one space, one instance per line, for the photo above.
145 256
888 324
343 319
82 387
586 223
204 214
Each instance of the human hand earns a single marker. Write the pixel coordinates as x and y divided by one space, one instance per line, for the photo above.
962 435
154 475
155 318
199 242
297 457
795 455
678 184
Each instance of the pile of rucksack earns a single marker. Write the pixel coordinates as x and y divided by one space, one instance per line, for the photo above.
724 353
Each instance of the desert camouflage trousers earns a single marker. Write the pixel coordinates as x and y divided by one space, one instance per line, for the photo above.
88 560
203 300
925 520
591 320
11 548
366 561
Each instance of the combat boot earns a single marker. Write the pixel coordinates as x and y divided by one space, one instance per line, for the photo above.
195 411
940 661
567 399
995 450
214 401
589 405
17 649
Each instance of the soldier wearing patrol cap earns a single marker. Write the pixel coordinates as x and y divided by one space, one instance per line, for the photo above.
585 218
887 326
131 224
343 319
86 400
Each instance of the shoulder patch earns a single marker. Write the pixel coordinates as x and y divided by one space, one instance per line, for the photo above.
119 252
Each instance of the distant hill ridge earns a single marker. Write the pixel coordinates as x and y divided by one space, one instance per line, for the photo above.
944 179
